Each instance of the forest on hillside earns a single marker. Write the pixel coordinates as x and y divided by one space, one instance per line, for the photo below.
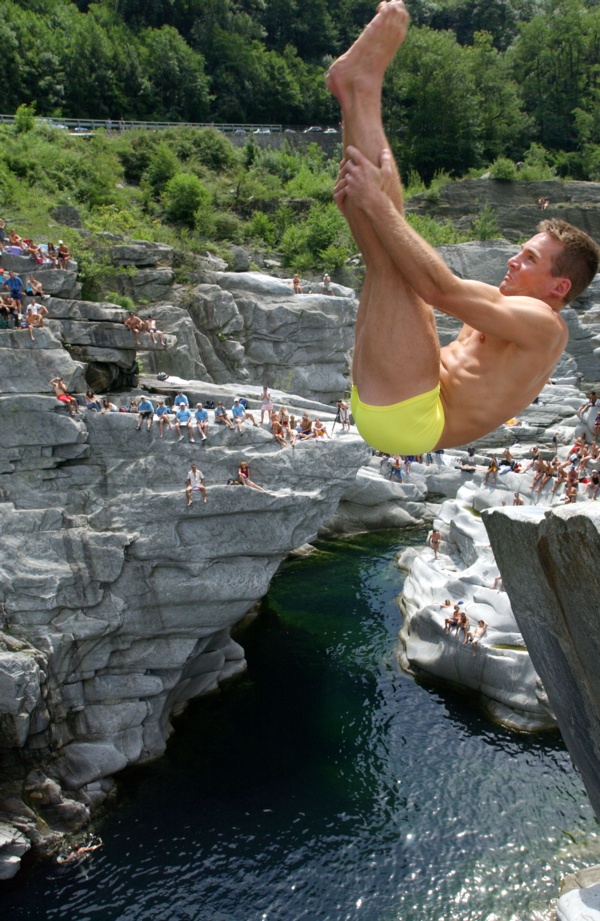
477 80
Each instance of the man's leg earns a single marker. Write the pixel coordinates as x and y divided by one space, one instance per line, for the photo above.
396 353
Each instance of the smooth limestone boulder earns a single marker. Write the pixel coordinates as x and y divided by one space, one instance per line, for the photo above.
499 675
127 613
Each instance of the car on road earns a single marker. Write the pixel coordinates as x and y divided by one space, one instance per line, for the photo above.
330 131
263 131
314 129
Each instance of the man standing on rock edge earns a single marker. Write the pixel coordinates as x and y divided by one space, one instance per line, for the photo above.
410 396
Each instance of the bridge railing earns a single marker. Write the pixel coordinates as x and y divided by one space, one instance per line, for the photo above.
108 124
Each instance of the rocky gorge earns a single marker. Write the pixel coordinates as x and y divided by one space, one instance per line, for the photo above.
118 601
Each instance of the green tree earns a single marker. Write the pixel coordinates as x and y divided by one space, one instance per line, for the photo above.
555 61
503 125
176 77
431 105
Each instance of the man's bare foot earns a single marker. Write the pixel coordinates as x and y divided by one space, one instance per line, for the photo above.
362 67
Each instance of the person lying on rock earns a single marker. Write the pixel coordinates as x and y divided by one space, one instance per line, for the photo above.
410 396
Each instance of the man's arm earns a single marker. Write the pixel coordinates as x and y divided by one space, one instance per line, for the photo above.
481 306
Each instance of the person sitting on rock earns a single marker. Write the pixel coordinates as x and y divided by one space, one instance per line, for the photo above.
108 407
60 389
453 620
154 332
594 485
570 493
5 316
92 402
589 403
195 483
163 413
320 432
244 477
561 476
37 313
517 500
475 636
201 417
464 626
64 256
145 412
34 288
34 250
15 240
278 431
136 325
184 417
221 417
507 460
305 428
545 473
51 254
240 414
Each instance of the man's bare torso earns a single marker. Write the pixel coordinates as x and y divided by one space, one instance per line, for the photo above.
485 380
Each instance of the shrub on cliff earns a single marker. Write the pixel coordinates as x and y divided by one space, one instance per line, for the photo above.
183 197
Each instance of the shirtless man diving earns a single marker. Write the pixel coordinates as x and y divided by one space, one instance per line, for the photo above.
410 396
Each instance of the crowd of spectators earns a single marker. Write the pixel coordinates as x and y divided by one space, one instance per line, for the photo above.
19 300
194 423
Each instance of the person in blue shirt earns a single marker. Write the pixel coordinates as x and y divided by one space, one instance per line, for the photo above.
145 411
201 417
16 287
184 417
181 400
163 412
240 414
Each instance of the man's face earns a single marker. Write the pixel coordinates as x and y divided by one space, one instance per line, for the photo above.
530 271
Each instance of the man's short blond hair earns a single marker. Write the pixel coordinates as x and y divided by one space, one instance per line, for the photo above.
579 258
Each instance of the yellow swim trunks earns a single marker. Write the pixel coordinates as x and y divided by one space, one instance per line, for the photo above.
413 426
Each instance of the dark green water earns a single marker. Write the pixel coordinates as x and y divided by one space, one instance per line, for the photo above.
327 785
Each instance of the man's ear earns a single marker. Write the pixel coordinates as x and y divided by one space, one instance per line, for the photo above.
561 288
